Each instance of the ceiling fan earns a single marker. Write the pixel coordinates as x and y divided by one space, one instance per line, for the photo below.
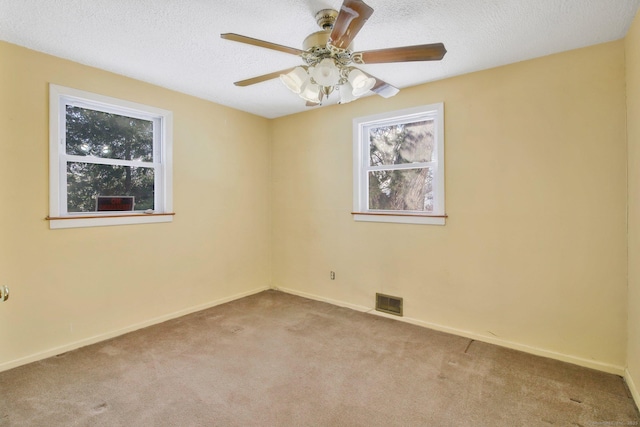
328 55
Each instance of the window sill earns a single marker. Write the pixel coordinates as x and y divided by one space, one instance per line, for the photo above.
399 218
76 221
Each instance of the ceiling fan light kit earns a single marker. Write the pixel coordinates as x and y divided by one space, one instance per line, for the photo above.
346 93
295 79
311 92
325 73
329 55
360 82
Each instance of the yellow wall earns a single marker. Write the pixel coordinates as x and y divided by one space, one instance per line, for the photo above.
533 255
632 44
71 287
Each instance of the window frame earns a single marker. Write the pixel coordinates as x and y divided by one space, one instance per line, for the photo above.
361 167
59 217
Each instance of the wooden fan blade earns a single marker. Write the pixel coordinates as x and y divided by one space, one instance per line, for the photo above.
262 78
352 16
423 52
383 88
261 43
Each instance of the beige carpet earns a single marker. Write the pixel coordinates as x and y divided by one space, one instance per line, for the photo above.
274 359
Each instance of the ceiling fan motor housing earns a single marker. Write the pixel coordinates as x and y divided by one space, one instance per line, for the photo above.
318 39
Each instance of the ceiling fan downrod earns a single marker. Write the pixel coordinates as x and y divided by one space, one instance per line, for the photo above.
326 18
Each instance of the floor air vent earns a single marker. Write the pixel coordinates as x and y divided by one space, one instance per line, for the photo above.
389 304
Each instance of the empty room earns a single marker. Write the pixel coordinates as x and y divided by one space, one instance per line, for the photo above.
319 213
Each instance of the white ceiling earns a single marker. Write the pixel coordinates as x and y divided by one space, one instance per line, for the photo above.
176 43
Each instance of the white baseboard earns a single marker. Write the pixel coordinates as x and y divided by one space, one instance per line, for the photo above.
635 393
605 367
102 337
593 364
323 299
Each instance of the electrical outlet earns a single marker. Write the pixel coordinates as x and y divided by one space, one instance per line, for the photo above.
332 275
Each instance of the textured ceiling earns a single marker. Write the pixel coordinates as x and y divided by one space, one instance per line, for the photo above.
176 43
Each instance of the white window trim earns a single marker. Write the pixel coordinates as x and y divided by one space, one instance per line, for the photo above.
163 120
361 212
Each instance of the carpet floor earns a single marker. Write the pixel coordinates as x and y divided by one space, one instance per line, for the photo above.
274 359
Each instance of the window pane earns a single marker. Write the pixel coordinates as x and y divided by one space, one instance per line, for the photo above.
401 190
107 135
401 143
86 180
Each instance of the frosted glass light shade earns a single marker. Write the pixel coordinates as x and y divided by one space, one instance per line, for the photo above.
295 79
326 73
346 93
360 82
311 92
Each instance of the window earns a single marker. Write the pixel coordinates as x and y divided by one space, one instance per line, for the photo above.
399 166
109 161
